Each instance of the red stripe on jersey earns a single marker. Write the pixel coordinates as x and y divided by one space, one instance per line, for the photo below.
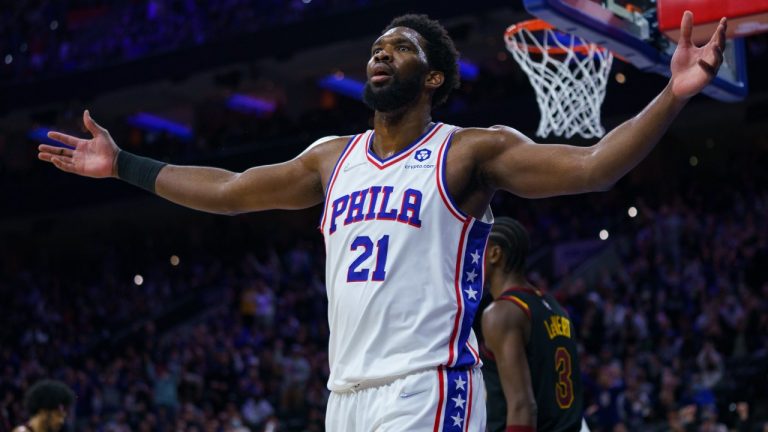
459 299
474 352
334 176
438 416
521 304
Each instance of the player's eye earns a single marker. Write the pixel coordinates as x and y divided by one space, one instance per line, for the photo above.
403 48
375 51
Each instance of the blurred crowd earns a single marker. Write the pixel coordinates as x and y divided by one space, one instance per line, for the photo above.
204 341
44 38
219 324
232 337
676 334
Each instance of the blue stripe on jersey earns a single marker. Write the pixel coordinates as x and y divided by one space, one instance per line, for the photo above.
471 285
457 399
403 150
442 174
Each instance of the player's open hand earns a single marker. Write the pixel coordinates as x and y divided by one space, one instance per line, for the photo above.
694 67
93 157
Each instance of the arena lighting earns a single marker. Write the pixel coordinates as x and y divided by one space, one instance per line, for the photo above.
250 105
153 123
468 70
603 234
342 85
138 280
40 136
632 212
175 260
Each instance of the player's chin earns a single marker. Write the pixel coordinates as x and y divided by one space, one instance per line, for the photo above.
380 81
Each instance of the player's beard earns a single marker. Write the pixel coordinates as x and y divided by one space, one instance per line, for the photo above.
393 95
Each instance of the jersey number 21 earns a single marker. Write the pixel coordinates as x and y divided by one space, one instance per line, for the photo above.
355 273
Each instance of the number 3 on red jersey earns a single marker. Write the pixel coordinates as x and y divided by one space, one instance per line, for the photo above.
564 386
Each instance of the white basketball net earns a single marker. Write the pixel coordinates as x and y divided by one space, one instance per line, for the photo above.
570 87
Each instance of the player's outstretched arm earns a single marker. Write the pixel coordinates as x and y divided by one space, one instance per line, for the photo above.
506 329
289 185
509 160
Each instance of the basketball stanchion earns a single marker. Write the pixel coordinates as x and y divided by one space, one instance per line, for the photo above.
568 73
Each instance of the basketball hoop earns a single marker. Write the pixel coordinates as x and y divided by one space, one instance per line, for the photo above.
568 73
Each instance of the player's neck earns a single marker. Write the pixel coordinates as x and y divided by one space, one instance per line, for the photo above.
37 423
503 282
395 130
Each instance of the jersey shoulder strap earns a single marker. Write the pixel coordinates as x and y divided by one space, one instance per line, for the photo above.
520 297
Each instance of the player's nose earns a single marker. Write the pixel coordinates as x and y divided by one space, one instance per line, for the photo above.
383 55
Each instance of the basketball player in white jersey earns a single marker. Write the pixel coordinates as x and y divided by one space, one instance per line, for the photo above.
406 218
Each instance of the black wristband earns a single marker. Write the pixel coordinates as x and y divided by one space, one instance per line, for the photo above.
137 170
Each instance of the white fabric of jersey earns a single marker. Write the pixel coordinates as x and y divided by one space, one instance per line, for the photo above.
404 269
433 400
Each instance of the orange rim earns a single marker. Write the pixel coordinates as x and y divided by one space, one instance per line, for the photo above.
538 25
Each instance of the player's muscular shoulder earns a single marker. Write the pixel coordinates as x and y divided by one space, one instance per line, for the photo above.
500 317
472 152
486 144
322 155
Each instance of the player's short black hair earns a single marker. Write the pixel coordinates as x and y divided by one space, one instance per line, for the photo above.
513 239
47 395
441 53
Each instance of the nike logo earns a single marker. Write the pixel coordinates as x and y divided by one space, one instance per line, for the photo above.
405 395
348 167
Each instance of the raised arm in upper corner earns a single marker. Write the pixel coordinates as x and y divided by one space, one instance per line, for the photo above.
295 184
506 159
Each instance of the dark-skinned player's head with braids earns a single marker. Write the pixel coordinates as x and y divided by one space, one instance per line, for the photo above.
49 401
514 242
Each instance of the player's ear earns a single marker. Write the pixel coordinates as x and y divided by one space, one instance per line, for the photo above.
493 254
434 79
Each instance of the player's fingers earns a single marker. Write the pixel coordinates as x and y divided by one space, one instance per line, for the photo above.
48 157
713 55
45 157
55 150
686 28
91 125
65 139
63 164
721 32
708 68
719 36
718 54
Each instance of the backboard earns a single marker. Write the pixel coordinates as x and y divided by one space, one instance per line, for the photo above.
632 31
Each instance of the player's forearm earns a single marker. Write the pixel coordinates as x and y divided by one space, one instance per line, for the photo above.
199 188
289 185
629 143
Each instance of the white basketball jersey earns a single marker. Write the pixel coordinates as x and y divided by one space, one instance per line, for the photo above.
404 268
